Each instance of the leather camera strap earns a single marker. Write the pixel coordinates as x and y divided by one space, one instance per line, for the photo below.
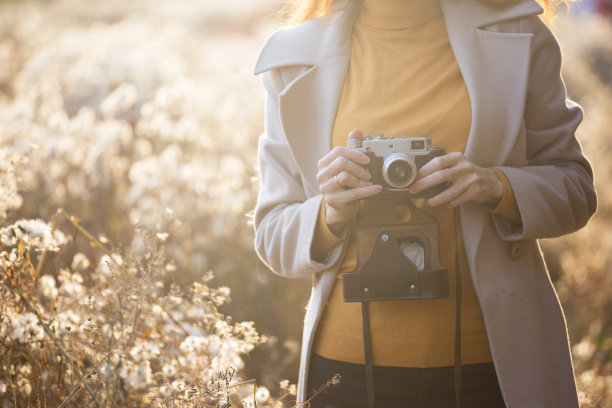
458 293
367 350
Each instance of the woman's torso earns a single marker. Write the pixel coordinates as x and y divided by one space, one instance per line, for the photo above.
403 80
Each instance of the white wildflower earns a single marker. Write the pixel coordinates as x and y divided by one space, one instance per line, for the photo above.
34 233
262 395
71 286
107 371
585 349
66 322
136 376
108 266
171 369
24 370
80 262
27 328
23 386
47 287
194 344
178 386
145 350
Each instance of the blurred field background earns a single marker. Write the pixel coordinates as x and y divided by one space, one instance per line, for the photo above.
140 120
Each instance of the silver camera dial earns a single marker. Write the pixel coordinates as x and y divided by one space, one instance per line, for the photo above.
399 170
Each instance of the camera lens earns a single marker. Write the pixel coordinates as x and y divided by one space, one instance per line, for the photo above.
399 172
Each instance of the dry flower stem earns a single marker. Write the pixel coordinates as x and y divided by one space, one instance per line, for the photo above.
59 347
97 244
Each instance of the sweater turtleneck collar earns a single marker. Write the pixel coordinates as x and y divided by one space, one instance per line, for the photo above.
397 14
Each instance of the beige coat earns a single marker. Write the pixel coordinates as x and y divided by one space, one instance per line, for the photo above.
521 122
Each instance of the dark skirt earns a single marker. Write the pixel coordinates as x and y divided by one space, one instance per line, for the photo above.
403 387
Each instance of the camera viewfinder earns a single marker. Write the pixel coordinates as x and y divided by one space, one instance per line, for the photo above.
418 144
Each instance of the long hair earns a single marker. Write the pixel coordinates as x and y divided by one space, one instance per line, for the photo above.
298 11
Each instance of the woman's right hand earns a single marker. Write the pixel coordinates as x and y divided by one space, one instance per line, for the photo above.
343 182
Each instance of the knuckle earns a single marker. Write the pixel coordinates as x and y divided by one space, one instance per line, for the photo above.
463 165
338 150
324 189
342 162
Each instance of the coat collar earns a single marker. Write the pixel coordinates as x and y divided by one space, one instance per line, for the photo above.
309 43
301 44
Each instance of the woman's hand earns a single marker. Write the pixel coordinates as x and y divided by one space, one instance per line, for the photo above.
469 182
343 182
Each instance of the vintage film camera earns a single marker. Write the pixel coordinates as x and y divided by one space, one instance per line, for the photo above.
394 163
397 243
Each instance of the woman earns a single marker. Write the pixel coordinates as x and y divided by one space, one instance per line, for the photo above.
480 78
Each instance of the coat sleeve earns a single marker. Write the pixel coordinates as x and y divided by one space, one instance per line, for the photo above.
285 218
554 190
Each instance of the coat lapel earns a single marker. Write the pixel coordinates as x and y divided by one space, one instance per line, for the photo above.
309 103
310 124
495 68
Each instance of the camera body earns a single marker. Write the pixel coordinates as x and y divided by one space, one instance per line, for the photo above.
395 161
398 256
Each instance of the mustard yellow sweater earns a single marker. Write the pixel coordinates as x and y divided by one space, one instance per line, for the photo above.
403 79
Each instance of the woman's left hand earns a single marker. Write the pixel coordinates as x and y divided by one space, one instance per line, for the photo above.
468 182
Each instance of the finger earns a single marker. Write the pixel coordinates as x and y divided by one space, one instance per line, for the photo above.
354 155
448 195
355 134
349 180
438 163
467 195
341 182
342 164
431 180
342 198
